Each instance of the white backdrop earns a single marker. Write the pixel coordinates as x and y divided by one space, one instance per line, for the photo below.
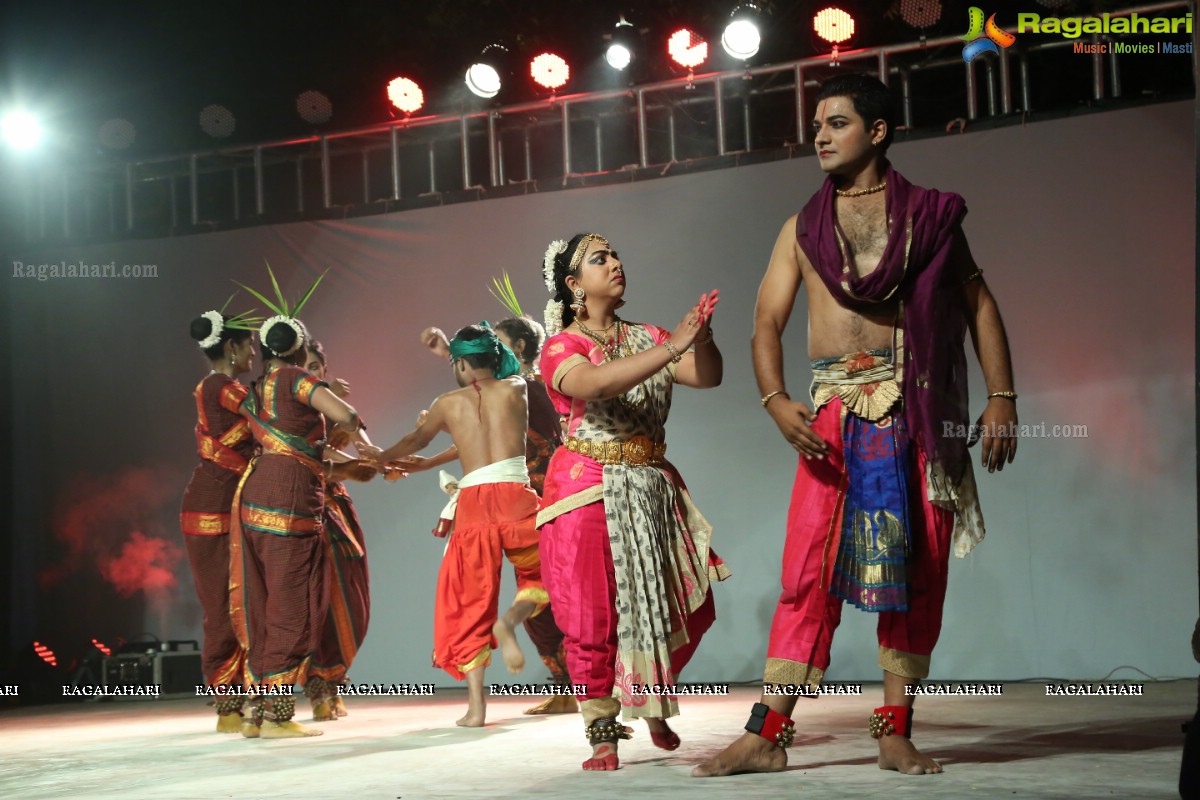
1084 228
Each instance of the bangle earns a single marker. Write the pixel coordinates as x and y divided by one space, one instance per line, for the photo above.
766 398
1007 395
676 356
705 341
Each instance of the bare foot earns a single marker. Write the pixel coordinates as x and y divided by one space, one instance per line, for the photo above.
661 734
749 753
473 719
287 730
229 723
323 711
558 704
249 729
604 758
514 659
898 753
339 707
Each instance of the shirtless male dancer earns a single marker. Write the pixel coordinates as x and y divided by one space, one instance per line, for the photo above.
884 488
495 516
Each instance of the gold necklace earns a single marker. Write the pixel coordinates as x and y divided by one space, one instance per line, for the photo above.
616 348
861 192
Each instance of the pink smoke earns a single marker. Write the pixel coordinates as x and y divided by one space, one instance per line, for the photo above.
117 525
144 565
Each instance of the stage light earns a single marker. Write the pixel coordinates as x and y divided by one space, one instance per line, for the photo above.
483 77
623 42
217 121
687 49
741 38
314 107
21 130
45 653
117 134
405 95
549 70
101 647
833 25
921 14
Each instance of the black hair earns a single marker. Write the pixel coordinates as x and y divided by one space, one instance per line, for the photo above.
201 329
281 337
872 100
523 329
489 360
562 268
315 349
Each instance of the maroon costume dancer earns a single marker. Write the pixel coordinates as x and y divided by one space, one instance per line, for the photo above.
224 445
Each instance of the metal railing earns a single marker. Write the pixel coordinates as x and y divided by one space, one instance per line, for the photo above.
144 197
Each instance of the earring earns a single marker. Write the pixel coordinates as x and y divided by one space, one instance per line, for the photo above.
578 306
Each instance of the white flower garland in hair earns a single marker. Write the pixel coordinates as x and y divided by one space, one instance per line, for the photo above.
556 248
554 312
292 323
218 327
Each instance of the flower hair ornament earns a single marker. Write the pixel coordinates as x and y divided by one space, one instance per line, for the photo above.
556 248
283 313
220 323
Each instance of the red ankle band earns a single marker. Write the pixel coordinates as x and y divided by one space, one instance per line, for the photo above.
771 725
888 720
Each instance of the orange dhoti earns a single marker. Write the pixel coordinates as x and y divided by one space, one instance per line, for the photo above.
493 521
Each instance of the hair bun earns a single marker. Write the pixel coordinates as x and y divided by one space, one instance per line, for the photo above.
201 328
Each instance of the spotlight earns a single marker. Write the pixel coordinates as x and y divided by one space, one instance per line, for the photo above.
687 49
117 134
483 77
217 121
834 26
741 38
623 41
405 95
314 107
921 14
549 70
21 130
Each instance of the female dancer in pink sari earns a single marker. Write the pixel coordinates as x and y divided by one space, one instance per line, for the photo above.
625 553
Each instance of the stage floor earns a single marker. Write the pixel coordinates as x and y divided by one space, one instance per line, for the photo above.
1020 745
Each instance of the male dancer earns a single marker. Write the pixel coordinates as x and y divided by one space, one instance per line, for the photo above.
496 512
885 476
525 338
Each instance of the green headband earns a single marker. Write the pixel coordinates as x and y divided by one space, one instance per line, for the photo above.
490 344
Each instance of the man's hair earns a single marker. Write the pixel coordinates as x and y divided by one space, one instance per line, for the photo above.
871 99
489 360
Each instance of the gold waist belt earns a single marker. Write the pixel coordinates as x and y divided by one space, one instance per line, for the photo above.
637 451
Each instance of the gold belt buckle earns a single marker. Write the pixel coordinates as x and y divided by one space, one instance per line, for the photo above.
638 450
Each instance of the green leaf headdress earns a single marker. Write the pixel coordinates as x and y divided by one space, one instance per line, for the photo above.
220 323
507 297
283 313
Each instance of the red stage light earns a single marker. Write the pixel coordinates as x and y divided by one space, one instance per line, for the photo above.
833 25
405 95
687 48
102 647
45 653
549 70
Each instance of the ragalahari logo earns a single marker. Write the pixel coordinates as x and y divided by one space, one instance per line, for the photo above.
984 37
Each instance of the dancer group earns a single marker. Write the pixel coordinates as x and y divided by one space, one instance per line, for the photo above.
566 475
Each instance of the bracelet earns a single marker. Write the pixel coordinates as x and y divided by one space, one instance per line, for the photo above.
705 341
676 356
766 398
1007 395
